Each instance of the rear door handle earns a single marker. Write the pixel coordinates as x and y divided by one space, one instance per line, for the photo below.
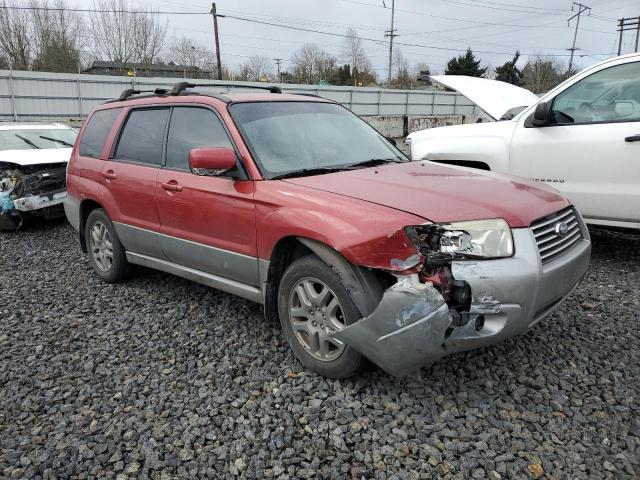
633 138
110 175
172 186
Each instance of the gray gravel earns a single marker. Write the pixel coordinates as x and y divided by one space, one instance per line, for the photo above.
162 378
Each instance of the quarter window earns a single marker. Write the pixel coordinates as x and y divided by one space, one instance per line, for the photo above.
610 95
97 131
192 127
142 137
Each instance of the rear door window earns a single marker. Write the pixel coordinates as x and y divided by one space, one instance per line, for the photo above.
97 131
193 127
142 137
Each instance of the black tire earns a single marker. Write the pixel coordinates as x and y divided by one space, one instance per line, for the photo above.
118 269
8 223
306 269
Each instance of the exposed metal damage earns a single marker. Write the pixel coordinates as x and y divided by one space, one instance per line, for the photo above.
427 313
37 189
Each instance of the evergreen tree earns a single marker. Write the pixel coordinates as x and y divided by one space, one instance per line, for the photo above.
465 65
509 72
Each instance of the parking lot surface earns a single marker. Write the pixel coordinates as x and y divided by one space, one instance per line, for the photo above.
163 378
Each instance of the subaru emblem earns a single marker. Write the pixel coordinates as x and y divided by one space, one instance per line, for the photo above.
561 229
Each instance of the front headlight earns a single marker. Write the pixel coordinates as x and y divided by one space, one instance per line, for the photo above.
473 239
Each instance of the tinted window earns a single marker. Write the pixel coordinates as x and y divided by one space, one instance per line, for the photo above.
610 95
193 127
97 131
142 137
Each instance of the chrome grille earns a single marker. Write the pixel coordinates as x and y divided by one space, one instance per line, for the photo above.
550 244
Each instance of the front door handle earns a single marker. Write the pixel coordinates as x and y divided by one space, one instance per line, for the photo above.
633 138
110 175
172 186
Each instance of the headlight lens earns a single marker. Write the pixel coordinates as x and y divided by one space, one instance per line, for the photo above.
473 239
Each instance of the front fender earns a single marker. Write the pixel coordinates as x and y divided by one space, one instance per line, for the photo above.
386 247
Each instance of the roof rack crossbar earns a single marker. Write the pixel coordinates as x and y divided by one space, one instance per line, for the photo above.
131 91
182 86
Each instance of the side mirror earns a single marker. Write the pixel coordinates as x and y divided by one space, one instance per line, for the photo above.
541 115
212 161
392 141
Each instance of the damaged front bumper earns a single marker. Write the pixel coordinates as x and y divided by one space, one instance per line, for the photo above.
37 202
413 325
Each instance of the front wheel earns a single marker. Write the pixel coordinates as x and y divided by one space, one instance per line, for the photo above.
8 223
313 303
106 254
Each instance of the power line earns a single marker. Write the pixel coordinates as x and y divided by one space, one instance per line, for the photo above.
517 5
504 9
94 10
333 34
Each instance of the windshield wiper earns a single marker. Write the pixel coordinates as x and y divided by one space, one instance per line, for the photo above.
373 162
305 172
57 140
27 141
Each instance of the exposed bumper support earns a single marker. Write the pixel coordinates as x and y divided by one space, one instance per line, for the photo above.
413 326
36 202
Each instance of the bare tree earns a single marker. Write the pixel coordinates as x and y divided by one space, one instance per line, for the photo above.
541 74
149 36
354 54
15 46
197 60
55 36
403 77
257 68
124 36
310 64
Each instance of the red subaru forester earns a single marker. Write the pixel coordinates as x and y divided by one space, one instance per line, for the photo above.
294 202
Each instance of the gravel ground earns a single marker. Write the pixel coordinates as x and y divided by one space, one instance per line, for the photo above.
162 378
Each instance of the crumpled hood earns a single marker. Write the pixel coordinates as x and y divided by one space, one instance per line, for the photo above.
36 156
443 193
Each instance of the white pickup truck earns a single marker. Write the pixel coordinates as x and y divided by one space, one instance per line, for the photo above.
582 137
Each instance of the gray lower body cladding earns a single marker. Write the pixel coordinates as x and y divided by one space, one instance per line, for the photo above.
413 326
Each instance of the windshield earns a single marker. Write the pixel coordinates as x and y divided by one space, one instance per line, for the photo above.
289 137
36 138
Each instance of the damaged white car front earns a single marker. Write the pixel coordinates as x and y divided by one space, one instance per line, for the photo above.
33 162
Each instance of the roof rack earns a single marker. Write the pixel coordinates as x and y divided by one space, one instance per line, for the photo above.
182 86
131 91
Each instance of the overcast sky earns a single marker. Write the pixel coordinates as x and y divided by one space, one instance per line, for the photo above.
497 27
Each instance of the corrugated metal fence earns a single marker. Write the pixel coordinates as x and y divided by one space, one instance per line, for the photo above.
28 95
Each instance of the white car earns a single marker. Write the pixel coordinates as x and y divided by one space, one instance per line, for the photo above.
582 137
33 162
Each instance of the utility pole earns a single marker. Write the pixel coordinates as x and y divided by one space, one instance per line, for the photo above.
581 9
624 24
215 32
278 60
391 33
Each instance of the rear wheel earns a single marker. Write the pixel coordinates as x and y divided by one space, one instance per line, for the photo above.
106 254
312 304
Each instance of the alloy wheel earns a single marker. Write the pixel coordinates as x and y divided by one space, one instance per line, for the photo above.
101 246
315 312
